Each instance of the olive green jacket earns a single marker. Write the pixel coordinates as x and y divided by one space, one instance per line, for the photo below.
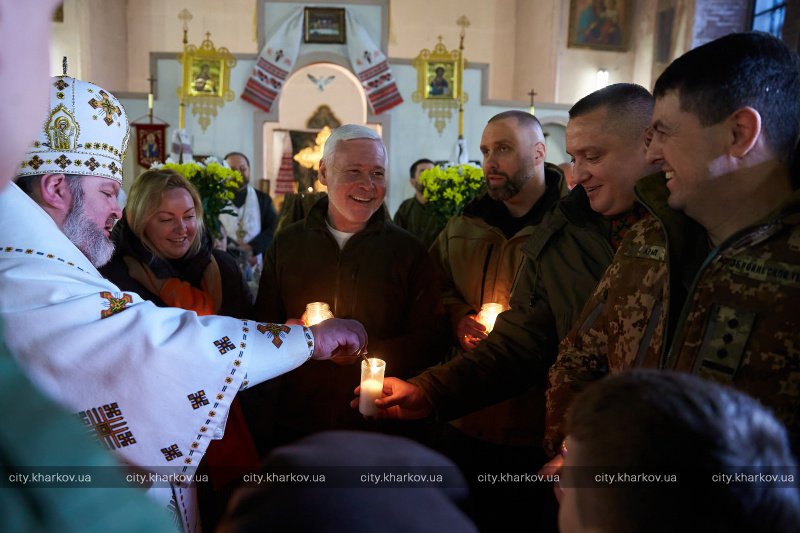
565 256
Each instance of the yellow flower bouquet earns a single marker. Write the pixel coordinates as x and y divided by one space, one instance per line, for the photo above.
448 190
215 183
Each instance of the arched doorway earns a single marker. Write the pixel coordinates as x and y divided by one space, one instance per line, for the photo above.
308 89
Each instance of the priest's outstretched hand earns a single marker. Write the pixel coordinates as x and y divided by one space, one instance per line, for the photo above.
342 336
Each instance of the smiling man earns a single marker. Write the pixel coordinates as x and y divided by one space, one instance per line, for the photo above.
709 281
347 253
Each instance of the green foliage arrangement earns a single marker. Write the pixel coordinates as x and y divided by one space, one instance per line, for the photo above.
216 185
449 190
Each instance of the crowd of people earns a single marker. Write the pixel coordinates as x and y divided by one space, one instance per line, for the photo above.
650 324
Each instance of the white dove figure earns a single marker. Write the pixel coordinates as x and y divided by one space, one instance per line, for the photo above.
321 82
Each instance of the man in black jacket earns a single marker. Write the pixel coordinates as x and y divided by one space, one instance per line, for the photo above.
252 227
348 254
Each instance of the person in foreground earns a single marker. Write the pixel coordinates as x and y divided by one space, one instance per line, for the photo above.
692 433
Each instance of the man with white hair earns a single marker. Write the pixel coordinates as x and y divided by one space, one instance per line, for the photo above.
152 384
366 268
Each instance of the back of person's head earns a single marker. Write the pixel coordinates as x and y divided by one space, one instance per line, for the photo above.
524 120
657 421
341 502
629 108
349 132
741 70
413 170
144 199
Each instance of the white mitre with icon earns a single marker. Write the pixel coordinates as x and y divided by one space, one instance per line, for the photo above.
86 133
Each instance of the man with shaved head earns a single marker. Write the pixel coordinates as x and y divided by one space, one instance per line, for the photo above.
477 256
479 253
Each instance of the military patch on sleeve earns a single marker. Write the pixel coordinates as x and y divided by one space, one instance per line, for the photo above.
277 331
647 251
724 342
764 270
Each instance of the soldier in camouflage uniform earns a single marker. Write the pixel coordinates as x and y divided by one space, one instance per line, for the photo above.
709 281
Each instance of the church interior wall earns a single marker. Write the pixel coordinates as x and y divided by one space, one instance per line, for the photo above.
512 46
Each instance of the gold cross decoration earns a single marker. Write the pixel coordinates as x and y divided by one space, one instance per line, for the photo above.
106 106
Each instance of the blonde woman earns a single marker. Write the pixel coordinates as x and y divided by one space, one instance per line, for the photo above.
162 253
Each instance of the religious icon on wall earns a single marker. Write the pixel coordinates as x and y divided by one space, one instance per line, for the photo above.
150 143
599 24
205 77
324 25
440 79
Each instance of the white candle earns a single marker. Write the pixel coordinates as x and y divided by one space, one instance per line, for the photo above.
488 315
316 312
371 390
371 385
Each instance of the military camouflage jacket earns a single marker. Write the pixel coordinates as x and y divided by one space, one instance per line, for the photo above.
731 315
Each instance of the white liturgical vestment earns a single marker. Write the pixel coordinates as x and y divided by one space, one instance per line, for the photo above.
152 384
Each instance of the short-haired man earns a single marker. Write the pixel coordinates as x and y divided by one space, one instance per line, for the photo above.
477 257
152 384
346 253
252 227
413 214
688 431
709 281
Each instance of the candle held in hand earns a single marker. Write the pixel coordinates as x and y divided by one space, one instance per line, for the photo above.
488 315
371 385
315 313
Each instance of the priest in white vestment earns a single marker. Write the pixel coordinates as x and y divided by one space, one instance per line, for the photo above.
151 384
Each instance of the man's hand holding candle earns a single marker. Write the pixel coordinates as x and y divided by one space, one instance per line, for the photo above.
401 400
470 332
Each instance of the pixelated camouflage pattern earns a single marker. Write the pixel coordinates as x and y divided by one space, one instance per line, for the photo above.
739 324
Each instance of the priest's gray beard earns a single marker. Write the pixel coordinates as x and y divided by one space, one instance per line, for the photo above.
83 233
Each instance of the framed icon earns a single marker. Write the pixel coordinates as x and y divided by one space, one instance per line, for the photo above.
324 25
599 24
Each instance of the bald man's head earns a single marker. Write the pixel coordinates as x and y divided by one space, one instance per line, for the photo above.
513 151
526 123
